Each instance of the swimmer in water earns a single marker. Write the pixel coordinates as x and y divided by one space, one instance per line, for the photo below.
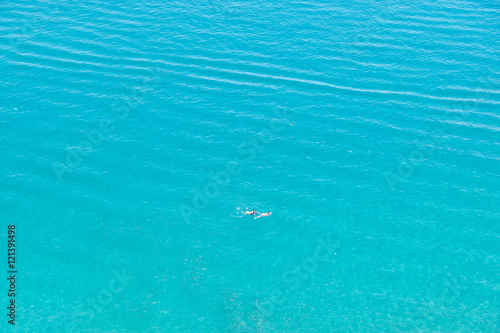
253 212
263 214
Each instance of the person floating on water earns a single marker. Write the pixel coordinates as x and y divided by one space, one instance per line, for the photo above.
263 214
253 212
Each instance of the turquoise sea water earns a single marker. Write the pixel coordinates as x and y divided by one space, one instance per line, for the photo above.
135 133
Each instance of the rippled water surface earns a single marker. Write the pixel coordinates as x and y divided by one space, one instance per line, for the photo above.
134 134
